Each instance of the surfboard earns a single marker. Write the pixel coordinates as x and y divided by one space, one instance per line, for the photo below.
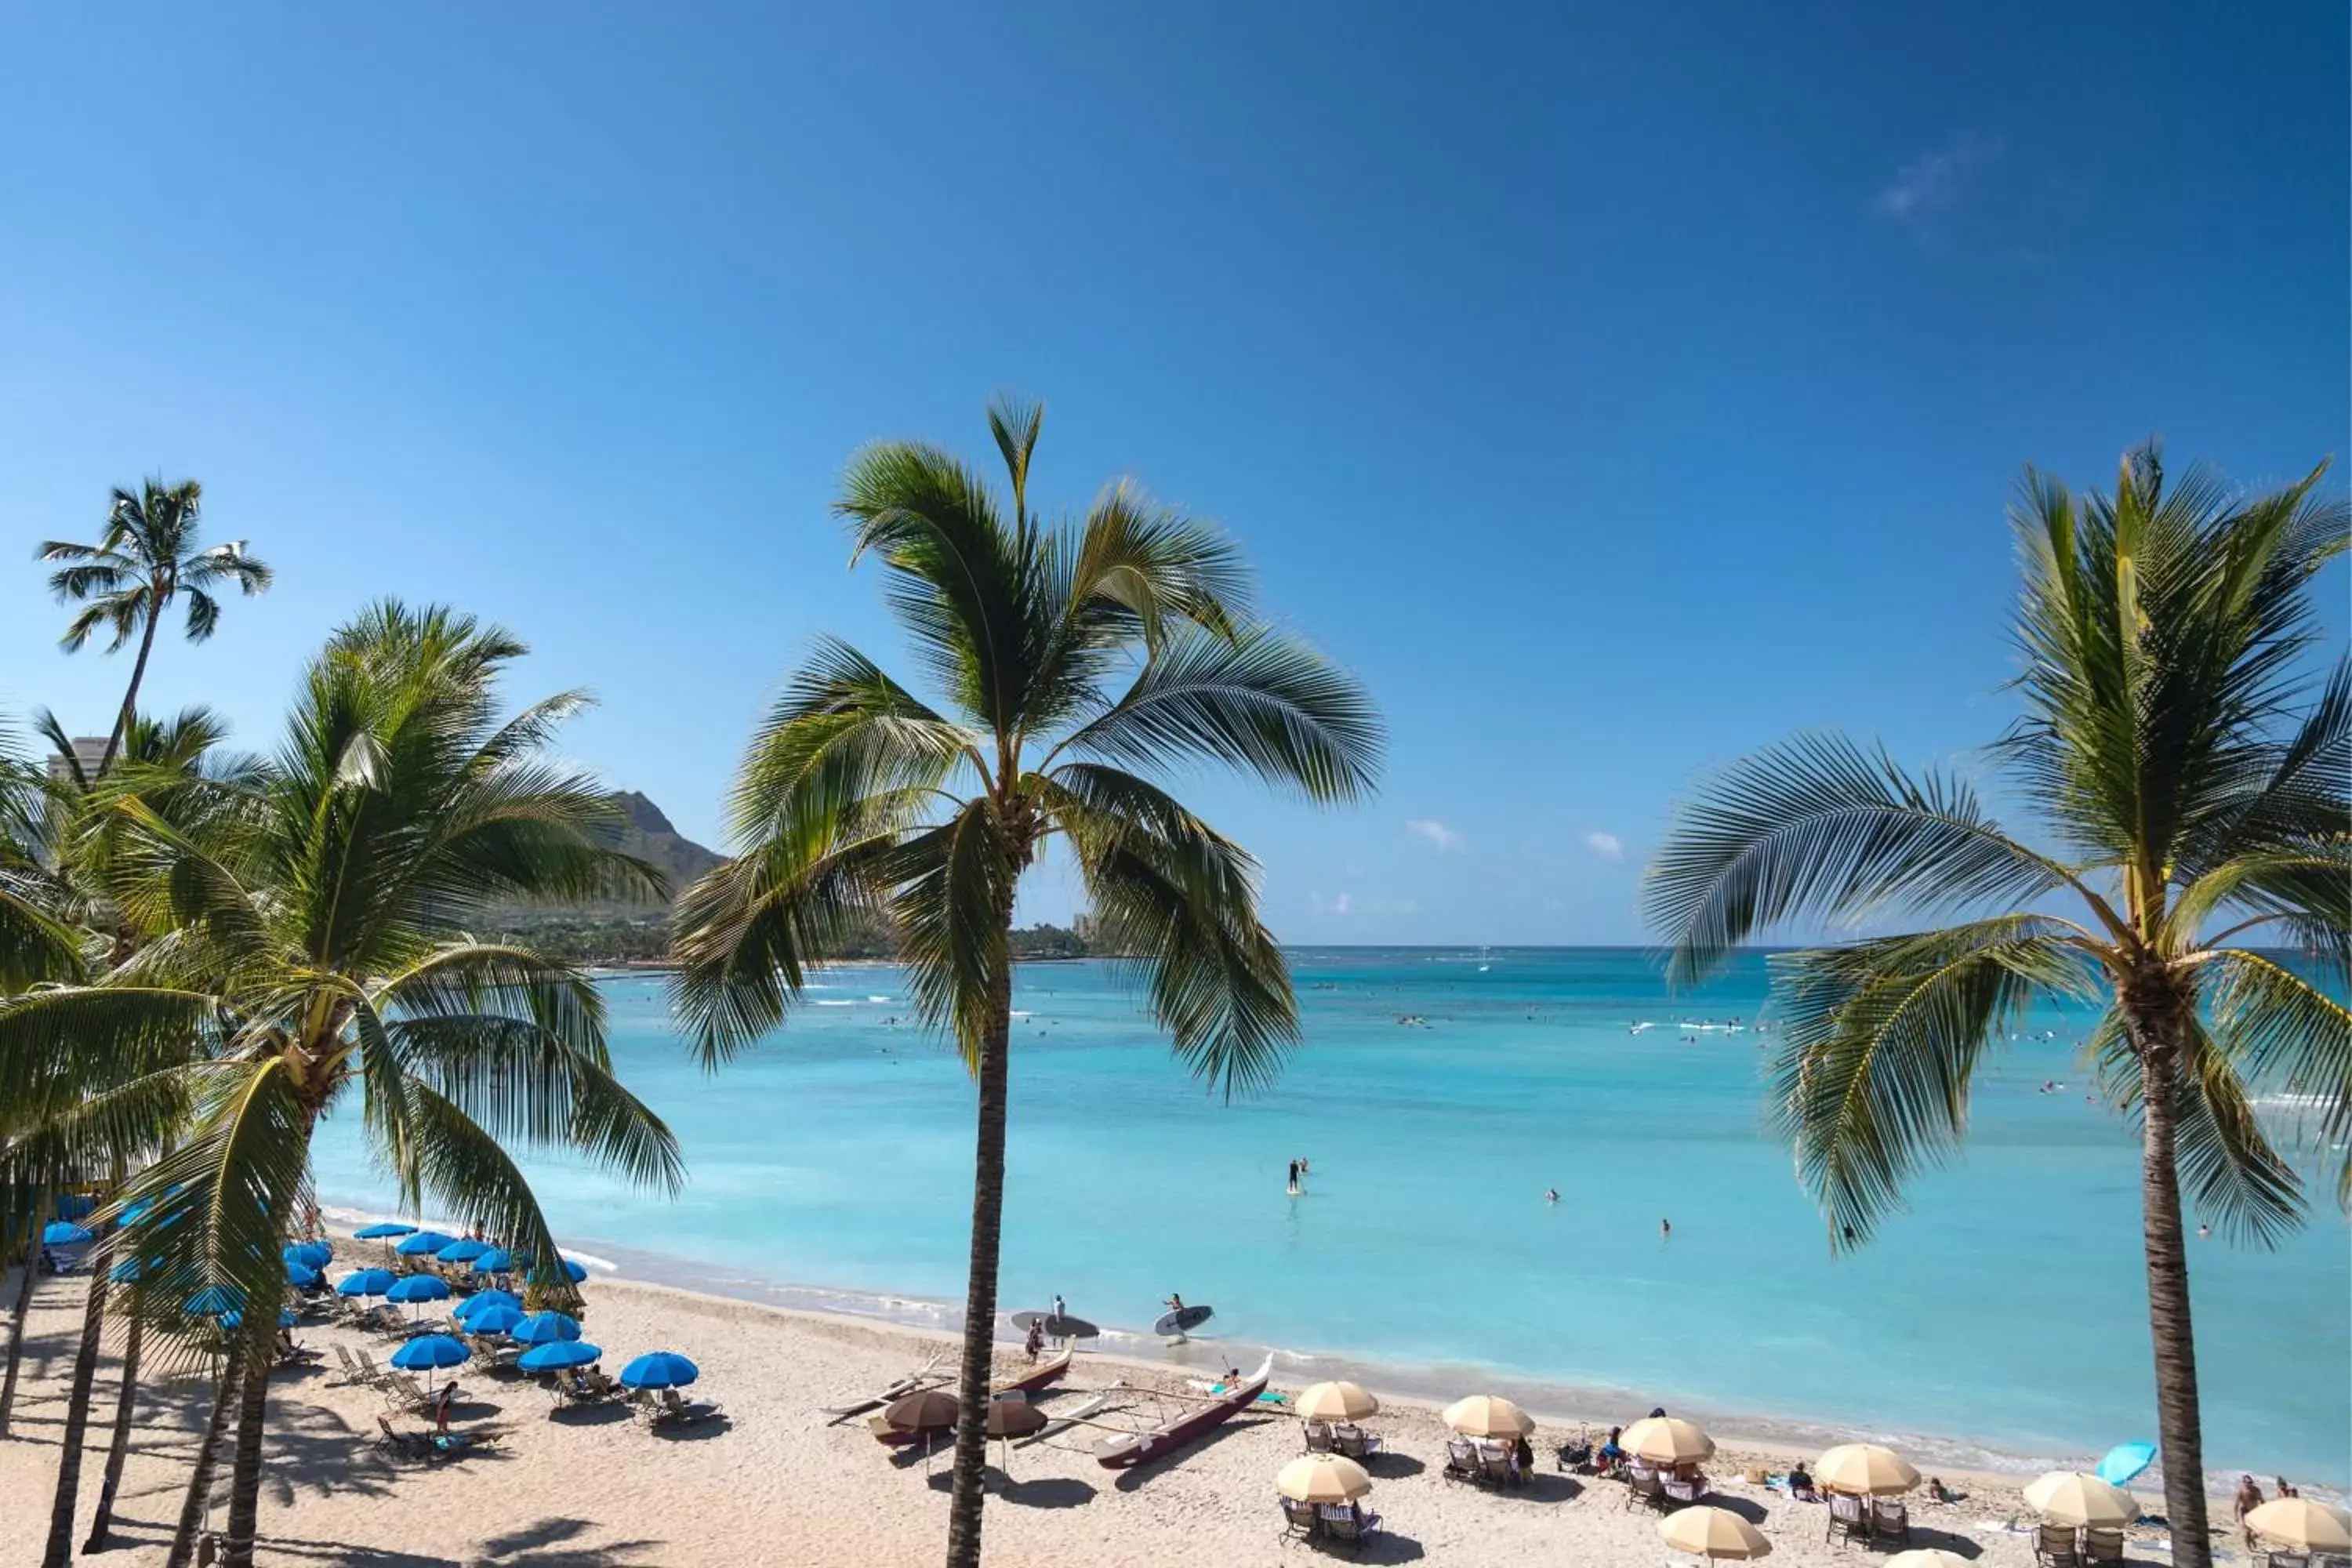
1058 1326
1182 1322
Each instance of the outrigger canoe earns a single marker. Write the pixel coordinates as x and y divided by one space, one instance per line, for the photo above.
1131 1449
924 1376
1045 1375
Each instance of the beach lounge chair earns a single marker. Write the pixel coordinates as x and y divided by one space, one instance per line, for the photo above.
1494 1467
1346 1522
1461 1460
352 1371
1681 1492
1354 1441
674 1410
1848 1517
400 1445
374 1375
1644 1485
2055 1547
1890 1521
1298 1518
2103 1545
1319 1437
2288 1559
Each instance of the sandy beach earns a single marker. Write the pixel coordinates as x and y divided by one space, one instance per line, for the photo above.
774 1480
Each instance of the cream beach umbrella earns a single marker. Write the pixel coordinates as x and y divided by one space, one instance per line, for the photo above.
1664 1440
1335 1402
2303 1524
1718 1532
1323 1477
2071 1497
1927 1557
1488 1416
1865 1468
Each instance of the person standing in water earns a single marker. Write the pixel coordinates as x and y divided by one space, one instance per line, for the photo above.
1665 1230
1294 1178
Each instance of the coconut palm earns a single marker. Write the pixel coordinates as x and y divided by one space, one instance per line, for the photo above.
148 556
308 933
1074 660
2188 772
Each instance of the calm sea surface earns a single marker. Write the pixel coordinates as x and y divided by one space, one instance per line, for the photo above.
2004 1311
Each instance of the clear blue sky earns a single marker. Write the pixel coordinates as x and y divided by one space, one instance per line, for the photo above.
1612 391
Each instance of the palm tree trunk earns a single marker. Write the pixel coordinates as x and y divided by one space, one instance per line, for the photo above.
130 697
17 1319
125 1406
59 1551
979 1291
245 1474
200 1484
2179 1427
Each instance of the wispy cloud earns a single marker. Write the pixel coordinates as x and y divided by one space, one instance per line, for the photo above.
1930 186
1608 846
1349 904
1437 833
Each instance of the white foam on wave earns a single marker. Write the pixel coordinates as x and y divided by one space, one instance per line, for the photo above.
877 998
826 1002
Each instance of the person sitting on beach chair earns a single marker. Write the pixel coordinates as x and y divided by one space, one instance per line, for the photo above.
1800 1484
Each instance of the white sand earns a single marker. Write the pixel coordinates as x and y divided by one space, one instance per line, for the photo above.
776 1482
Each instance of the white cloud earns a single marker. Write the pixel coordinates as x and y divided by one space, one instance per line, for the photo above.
1349 904
1438 834
1930 186
1608 846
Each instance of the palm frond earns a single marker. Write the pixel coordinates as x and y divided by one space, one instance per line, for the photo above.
1258 701
952 898
1815 827
2291 1035
1880 1042
460 1166
965 585
1179 902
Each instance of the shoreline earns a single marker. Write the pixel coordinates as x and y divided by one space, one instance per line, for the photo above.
1558 1406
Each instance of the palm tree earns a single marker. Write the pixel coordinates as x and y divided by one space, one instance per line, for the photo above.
857 801
308 931
174 769
147 557
2194 795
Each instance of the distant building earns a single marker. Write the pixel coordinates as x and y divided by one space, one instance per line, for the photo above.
1086 926
89 751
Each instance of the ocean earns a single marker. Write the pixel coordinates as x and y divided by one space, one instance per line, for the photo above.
1438 1095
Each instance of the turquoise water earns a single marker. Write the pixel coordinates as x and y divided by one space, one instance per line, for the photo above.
2004 1311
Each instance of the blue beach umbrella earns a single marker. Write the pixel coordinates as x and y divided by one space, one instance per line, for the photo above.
2125 1460
495 1260
214 1301
428 1354
423 1242
482 1302
572 1271
64 1232
418 1288
463 1250
557 1354
301 1275
659 1369
74 1205
494 1318
544 1327
309 1254
128 1271
364 1282
384 1232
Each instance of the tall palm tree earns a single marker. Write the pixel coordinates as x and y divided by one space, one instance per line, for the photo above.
310 932
148 556
1074 660
2193 795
